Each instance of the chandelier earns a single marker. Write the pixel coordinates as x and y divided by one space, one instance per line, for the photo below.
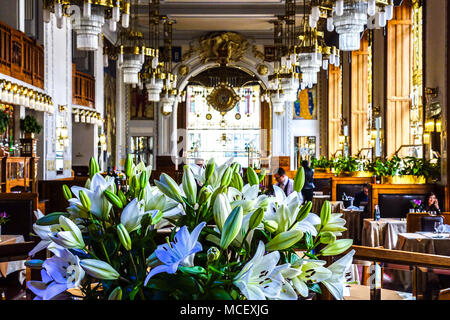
349 17
132 56
89 17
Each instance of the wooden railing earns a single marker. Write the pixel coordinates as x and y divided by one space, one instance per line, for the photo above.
83 88
21 57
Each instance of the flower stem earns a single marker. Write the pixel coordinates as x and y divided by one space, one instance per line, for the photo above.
106 253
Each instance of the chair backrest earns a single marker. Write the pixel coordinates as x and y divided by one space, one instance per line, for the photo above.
428 223
349 189
19 207
396 205
15 251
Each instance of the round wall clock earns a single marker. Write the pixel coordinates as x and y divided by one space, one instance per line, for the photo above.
223 98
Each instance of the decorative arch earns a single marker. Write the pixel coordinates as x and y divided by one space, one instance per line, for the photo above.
247 63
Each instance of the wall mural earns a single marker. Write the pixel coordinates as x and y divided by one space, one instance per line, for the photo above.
110 119
140 107
305 108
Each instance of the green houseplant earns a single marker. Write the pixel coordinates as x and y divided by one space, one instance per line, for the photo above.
4 120
30 126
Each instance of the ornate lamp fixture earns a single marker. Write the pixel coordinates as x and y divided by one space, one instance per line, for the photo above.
89 20
132 55
348 18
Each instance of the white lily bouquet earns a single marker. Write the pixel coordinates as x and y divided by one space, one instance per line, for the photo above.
225 240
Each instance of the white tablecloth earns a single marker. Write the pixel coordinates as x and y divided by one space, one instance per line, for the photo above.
7 268
382 233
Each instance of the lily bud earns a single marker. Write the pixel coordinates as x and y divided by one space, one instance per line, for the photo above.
261 175
99 269
337 247
252 177
237 182
284 240
226 177
327 237
235 167
270 226
116 294
134 184
325 213
205 195
93 167
141 195
304 211
189 185
67 192
124 237
169 187
122 197
106 209
209 169
143 179
213 254
52 218
115 200
221 210
231 227
299 180
85 201
256 219
129 165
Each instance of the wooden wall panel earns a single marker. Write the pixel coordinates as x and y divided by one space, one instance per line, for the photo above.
399 78
334 108
359 97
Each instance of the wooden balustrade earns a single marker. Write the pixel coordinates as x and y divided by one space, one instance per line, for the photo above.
83 88
21 57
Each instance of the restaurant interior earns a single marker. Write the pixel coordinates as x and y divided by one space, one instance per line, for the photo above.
337 107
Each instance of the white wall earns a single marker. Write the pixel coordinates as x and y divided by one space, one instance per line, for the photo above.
58 84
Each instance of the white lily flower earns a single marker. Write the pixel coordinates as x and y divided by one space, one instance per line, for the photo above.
132 215
311 271
70 237
154 199
335 283
283 274
255 280
335 224
60 272
42 232
99 203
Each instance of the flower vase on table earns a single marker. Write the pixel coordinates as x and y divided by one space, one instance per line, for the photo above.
228 241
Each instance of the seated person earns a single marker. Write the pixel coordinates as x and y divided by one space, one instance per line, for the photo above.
432 204
362 198
284 182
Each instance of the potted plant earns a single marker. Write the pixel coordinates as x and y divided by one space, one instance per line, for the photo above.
30 126
4 120
363 169
320 165
346 166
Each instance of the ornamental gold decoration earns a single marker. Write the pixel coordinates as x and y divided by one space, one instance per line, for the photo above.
223 98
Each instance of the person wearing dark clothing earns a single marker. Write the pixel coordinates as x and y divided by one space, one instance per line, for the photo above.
431 203
308 187
362 198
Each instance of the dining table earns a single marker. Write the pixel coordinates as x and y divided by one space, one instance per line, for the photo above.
425 242
317 203
7 268
382 233
353 224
